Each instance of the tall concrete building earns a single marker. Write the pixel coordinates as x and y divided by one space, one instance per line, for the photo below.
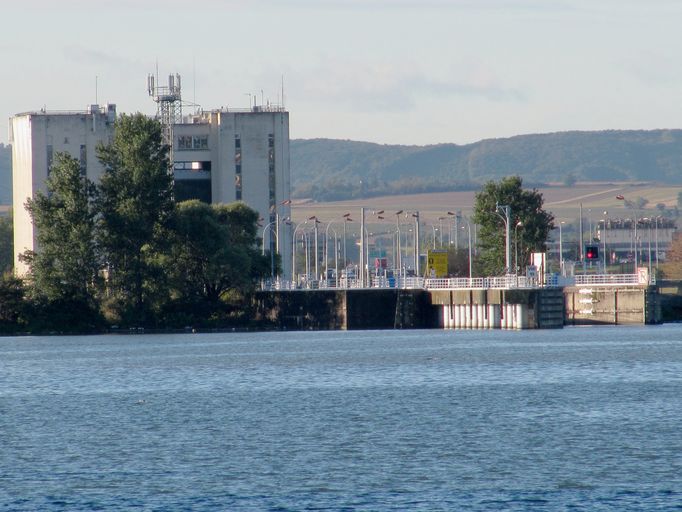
219 156
35 138
223 156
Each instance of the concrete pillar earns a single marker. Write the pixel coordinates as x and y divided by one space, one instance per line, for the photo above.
481 316
518 310
509 313
458 316
474 316
495 322
523 316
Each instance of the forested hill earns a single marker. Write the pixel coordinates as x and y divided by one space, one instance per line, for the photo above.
325 169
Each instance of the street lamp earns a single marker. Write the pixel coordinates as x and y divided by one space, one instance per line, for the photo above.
326 253
516 247
605 220
561 249
398 261
416 242
272 254
470 260
346 220
293 250
451 215
507 228
635 211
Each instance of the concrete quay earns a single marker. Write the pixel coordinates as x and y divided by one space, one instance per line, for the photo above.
417 308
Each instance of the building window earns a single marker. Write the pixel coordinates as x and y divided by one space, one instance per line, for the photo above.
271 171
184 142
192 166
84 159
188 142
50 156
237 167
200 142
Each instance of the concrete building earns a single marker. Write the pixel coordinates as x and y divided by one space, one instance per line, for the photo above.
35 138
219 156
223 156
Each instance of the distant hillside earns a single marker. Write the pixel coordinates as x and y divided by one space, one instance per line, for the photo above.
325 169
5 174
334 169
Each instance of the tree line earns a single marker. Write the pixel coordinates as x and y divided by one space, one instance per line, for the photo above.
123 253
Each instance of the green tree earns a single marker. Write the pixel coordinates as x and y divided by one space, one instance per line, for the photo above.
135 204
526 208
12 304
6 245
213 256
65 265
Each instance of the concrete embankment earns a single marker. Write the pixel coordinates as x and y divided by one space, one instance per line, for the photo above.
500 309
390 308
347 309
613 305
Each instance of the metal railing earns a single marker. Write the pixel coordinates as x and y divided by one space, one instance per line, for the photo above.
612 279
457 283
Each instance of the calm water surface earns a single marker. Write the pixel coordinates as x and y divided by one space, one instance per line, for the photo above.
575 419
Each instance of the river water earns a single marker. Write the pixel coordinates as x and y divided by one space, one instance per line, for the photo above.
572 419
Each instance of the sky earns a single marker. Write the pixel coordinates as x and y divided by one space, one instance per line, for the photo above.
385 71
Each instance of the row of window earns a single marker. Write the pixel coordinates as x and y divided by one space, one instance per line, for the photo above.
192 142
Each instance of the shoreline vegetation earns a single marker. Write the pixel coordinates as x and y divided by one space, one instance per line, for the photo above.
123 252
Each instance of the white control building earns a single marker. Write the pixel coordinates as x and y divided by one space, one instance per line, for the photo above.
219 156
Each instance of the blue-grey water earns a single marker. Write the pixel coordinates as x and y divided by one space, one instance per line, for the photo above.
572 419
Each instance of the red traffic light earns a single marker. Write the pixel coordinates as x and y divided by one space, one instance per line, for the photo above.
591 252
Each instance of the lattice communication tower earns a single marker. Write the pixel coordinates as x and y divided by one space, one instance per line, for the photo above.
169 105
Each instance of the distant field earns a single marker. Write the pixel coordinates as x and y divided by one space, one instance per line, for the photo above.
563 202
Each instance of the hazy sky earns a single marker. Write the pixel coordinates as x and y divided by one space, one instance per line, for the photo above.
387 71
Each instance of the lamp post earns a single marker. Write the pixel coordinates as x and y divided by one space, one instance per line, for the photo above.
272 254
440 226
606 218
635 211
416 242
346 220
516 247
450 216
561 249
434 236
656 238
326 252
316 222
293 251
398 261
507 228
470 259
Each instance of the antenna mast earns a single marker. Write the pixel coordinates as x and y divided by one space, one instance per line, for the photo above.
169 105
